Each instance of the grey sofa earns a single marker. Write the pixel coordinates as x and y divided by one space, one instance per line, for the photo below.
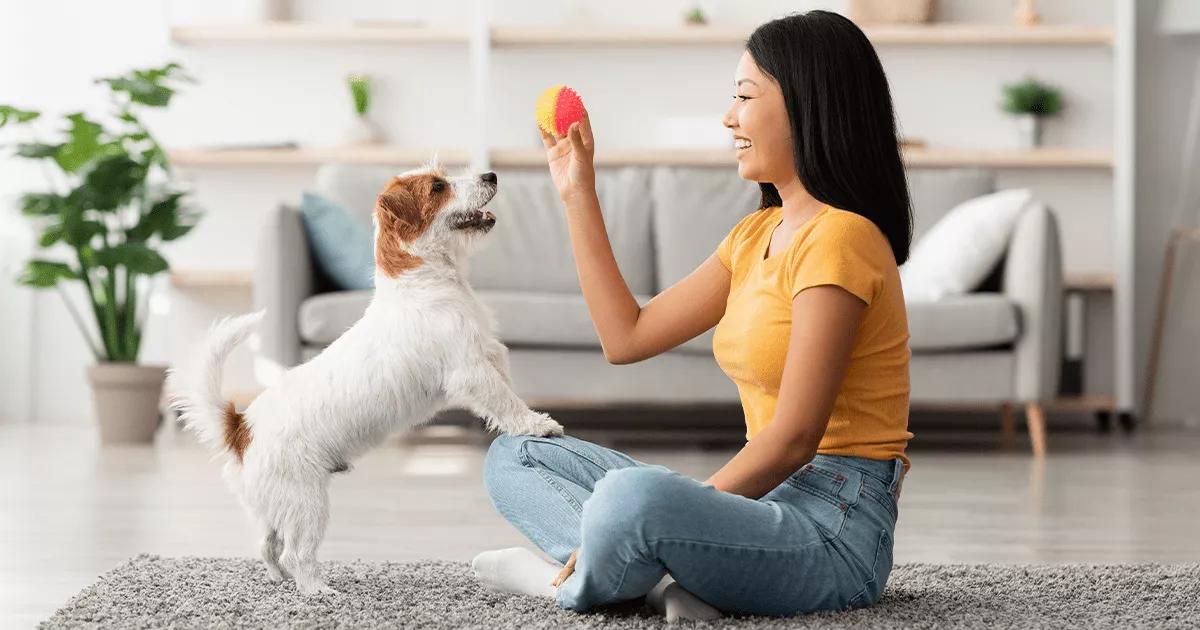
1000 344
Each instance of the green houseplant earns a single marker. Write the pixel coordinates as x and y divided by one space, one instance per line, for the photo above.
109 204
1031 101
362 129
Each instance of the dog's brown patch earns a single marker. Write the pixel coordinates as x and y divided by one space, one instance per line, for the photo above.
237 432
404 211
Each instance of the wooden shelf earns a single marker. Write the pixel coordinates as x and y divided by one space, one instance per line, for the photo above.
990 34
317 33
512 37
312 156
929 34
211 279
956 34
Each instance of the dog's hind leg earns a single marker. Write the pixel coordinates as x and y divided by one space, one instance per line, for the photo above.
302 523
272 547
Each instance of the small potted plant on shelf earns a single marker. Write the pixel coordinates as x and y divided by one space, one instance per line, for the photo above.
362 130
1031 101
109 205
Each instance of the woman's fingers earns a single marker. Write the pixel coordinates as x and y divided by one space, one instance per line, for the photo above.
576 137
567 569
547 139
585 127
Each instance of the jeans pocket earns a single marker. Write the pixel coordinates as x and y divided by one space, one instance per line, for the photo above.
826 496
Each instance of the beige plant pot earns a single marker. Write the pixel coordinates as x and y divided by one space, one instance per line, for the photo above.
126 398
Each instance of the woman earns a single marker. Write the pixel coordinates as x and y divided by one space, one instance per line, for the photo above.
802 518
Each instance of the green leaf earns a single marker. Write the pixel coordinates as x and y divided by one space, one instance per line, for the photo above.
52 234
135 257
45 273
42 204
8 114
162 217
82 146
111 183
81 232
37 150
147 87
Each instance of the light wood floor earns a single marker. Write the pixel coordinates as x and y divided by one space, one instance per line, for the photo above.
70 510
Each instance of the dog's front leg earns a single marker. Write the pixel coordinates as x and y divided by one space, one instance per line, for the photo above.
486 392
497 355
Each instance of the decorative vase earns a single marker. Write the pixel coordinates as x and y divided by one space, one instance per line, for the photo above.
126 398
1030 128
362 130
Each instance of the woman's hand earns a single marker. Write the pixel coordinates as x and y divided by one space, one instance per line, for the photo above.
570 160
567 569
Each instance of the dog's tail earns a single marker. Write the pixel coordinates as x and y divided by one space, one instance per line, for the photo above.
195 390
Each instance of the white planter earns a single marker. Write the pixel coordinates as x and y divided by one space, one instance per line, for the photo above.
362 130
126 398
254 11
1029 128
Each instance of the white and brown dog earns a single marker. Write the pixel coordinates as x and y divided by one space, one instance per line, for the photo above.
424 343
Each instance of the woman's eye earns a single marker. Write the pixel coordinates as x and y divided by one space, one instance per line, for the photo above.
741 97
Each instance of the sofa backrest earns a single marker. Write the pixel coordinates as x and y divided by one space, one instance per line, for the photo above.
530 248
694 208
662 221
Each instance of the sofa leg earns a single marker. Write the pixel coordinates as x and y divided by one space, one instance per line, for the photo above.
1008 429
1036 420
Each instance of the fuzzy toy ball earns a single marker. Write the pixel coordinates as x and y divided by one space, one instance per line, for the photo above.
557 108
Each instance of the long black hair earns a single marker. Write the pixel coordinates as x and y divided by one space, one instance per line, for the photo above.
843 126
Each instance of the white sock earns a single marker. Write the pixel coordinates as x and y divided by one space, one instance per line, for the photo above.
675 603
516 570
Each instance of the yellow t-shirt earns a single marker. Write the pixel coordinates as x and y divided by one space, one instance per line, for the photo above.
750 343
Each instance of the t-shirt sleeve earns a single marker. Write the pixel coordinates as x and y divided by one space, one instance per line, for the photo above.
725 250
845 253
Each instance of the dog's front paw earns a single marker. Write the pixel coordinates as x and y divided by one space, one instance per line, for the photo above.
533 423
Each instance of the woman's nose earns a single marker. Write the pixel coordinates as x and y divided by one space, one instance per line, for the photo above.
729 120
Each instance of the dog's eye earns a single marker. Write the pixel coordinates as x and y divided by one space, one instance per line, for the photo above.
438 185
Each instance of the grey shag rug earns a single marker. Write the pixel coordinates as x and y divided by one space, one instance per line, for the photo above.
155 592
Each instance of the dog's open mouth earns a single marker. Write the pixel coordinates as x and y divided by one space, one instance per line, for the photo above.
476 220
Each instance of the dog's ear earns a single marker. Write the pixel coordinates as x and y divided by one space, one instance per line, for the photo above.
399 213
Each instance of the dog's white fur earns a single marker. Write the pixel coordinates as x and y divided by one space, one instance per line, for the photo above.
424 343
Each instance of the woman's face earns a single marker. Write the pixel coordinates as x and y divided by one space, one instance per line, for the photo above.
761 130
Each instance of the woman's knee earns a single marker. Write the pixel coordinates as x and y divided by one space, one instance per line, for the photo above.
628 500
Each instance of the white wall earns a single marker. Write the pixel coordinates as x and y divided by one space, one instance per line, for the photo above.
946 95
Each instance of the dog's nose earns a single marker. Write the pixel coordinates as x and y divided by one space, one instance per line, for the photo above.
488 177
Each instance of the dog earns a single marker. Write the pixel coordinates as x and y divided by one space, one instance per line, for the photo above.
425 343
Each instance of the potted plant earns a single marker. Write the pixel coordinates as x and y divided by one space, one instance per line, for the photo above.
362 129
109 205
1031 101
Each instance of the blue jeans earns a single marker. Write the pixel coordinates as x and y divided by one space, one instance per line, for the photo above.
821 540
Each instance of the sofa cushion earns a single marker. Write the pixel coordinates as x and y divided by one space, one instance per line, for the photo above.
694 208
957 322
963 247
342 247
530 248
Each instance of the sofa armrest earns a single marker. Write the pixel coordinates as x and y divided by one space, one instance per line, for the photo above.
283 278
1033 278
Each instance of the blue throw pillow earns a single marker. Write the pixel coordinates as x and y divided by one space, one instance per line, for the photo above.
341 245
